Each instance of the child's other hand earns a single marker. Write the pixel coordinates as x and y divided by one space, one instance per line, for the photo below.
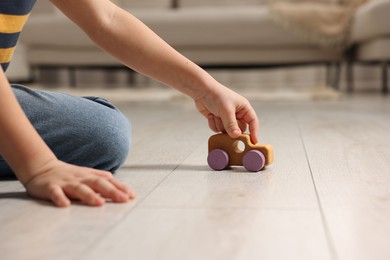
59 182
228 112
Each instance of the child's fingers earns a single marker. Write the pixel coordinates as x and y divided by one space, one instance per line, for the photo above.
242 125
219 124
254 130
216 124
121 186
253 122
230 123
211 121
58 196
107 189
101 173
84 193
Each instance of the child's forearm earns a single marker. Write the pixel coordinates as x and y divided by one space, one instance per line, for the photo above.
141 49
134 44
20 144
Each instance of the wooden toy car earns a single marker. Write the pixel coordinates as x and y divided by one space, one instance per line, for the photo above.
225 151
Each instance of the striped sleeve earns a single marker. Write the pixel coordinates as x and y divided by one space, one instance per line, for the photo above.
13 16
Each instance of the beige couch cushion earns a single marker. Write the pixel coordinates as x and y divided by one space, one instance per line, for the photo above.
187 27
144 3
214 26
191 3
371 21
376 50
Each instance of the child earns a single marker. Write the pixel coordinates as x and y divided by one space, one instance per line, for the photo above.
62 147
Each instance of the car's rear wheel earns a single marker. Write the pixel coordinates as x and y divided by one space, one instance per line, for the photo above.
218 159
254 161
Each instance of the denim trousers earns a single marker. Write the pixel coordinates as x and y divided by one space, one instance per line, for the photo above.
85 131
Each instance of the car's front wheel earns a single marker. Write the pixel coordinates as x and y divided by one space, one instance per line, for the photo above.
254 161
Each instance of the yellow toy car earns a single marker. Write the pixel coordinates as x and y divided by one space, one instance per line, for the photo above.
225 151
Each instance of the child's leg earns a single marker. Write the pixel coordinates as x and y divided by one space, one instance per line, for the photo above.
83 131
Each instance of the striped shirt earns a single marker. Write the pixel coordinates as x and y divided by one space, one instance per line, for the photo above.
13 15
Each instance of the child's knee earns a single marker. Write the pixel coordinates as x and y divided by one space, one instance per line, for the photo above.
104 145
114 142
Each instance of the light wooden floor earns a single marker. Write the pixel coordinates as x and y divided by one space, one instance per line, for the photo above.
327 195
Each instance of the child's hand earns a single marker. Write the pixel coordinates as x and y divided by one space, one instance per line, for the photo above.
60 182
228 112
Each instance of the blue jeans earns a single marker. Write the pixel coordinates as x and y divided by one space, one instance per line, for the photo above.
85 131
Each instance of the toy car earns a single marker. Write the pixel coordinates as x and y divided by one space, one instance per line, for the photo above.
225 151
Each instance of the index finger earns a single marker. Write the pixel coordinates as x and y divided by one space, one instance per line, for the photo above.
230 124
253 122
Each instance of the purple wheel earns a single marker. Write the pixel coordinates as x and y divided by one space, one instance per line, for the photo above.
218 159
253 161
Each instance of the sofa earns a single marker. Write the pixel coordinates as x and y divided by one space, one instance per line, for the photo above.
370 39
214 34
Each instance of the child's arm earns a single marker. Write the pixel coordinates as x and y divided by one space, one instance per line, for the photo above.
134 44
35 165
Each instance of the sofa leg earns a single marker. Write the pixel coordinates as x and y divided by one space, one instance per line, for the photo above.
385 83
131 77
34 74
333 74
349 75
336 84
328 73
72 77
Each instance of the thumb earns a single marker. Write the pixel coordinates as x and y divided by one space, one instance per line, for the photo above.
230 124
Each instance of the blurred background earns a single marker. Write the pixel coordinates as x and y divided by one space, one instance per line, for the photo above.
281 49
326 196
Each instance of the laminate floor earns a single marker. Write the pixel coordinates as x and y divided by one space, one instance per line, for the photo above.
326 196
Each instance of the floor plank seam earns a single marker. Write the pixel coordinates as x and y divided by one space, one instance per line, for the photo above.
331 245
232 208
